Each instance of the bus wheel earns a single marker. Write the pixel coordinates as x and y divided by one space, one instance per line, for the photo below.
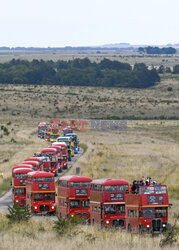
129 228
93 222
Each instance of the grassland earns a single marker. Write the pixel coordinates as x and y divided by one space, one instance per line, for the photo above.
150 60
91 102
147 148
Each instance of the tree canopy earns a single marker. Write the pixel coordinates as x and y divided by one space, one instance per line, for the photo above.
79 72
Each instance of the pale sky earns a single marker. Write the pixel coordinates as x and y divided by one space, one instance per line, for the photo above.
57 23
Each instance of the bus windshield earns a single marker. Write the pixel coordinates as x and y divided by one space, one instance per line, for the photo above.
75 203
110 209
38 197
148 212
19 191
20 176
49 197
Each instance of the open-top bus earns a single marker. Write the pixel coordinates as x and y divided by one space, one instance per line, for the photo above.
147 209
73 196
107 202
40 192
19 185
64 153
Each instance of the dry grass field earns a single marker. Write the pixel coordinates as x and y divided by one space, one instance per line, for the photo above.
91 102
155 60
147 148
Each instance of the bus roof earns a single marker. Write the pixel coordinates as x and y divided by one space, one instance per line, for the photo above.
55 146
40 174
71 134
74 178
21 166
48 150
39 159
59 144
110 182
33 163
23 170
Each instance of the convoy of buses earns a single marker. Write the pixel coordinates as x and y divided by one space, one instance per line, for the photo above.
140 207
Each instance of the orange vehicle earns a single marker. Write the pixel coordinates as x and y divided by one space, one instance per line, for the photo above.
107 202
40 192
147 209
47 133
19 185
73 196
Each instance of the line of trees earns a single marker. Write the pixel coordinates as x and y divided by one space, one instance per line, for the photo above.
157 50
80 72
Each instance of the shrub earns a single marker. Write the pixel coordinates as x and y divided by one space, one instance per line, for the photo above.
67 225
171 235
18 214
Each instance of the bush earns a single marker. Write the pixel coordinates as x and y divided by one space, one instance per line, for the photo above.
18 214
66 226
171 235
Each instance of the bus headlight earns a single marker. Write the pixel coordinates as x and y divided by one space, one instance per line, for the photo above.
17 200
72 215
35 207
148 226
53 207
107 222
164 225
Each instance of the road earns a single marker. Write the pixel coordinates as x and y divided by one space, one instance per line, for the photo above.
7 199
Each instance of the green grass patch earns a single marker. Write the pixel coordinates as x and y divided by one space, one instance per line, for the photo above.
84 147
5 186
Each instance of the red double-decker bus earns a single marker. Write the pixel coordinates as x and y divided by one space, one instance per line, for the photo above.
39 159
107 202
40 192
19 185
64 153
52 164
20 166
147 209
73 197
35 164
59 156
